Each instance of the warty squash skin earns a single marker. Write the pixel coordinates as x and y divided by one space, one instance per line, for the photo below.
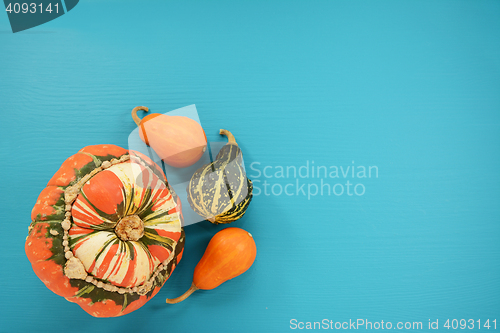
179 141
220 191
106 232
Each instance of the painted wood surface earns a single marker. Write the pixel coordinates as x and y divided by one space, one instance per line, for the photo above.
411 88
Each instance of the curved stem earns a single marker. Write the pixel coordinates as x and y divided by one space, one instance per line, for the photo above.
230 137
184 296
134 113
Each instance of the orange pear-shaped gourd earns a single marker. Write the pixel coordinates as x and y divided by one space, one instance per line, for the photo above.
229 253
179 141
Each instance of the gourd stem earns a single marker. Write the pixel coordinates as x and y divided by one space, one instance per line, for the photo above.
230 137
134 114
184 296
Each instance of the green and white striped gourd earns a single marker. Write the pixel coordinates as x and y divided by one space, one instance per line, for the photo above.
220 191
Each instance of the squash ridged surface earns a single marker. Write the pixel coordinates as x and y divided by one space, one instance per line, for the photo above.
122 274
220 191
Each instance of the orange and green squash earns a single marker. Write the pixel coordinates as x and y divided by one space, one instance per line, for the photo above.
106 232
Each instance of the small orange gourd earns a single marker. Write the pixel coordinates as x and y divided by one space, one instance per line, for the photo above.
229 253
179 141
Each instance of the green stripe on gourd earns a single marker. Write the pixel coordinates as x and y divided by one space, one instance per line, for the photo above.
220 191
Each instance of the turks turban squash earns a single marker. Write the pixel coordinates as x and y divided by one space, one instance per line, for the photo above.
106 232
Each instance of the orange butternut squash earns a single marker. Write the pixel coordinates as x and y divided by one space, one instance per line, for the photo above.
179 141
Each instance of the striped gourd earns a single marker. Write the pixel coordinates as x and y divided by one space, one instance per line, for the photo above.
220 191
106 232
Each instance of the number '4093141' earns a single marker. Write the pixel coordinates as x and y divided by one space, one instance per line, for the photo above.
32 8
470 324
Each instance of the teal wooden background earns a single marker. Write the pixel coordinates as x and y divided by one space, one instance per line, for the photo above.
412 87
